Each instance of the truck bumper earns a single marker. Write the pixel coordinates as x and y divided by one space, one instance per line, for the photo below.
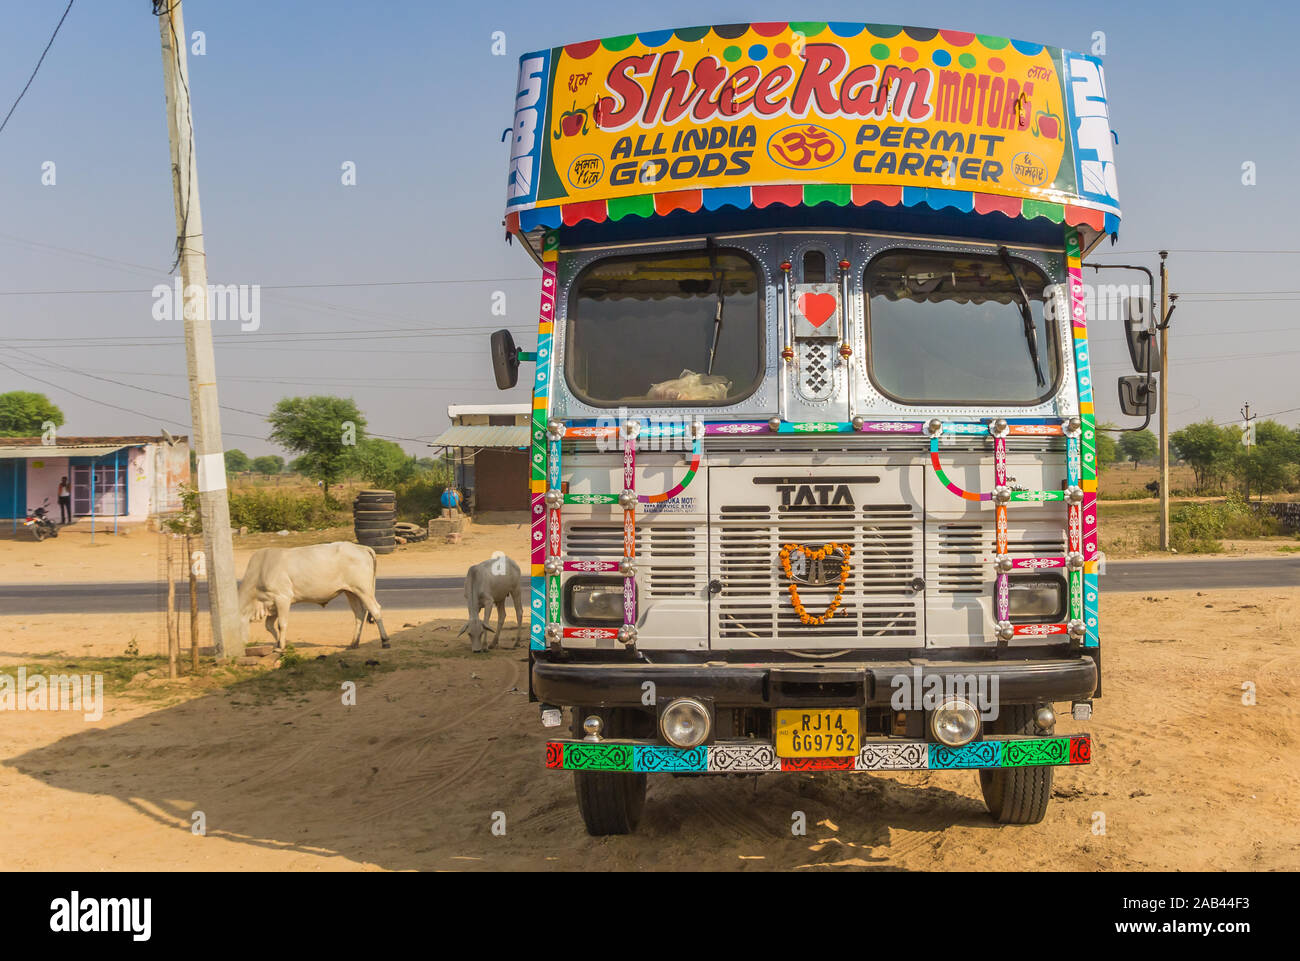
793 685
758 757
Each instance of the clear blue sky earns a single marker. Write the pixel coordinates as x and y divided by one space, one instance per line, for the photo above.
410 92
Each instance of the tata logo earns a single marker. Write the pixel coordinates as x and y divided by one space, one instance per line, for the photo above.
815 495
816 571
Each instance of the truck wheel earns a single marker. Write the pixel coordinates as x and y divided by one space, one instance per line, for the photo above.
1017 795
610 802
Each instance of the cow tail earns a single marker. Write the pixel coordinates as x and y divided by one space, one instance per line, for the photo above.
374 579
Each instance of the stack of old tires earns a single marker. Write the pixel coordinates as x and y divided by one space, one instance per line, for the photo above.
373 515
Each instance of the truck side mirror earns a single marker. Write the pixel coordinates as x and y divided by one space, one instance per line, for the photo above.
1137 395
1142 347
505 359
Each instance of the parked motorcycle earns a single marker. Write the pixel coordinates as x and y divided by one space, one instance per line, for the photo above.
37 519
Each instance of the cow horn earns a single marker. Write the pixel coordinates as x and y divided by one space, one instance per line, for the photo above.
464 629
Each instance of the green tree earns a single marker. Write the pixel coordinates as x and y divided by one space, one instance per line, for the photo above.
237 461
1208 449
1107 449
323 429
382 463
437 468
1271 434
24 414
1268 465
1139 446
268 464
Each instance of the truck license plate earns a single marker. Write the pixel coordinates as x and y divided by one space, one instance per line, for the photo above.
817 733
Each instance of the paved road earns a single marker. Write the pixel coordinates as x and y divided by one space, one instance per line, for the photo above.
1173 575
413 592
125 598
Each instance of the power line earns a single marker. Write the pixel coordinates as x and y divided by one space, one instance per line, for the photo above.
1239 300
1189 250
325 336
315 306
149 390
359 283
1231 423
412 383
1092 338
101 403
1198 293
5 122
1219 359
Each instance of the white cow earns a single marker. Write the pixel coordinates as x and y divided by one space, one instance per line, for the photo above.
487 585
277 577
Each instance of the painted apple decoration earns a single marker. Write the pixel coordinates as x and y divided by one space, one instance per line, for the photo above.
572 123
1047 124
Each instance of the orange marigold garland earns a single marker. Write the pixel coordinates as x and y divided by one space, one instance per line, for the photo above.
816 555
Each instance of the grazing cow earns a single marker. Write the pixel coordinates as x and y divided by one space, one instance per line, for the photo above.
488 584
277 577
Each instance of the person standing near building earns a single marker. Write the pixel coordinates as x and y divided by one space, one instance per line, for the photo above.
65 502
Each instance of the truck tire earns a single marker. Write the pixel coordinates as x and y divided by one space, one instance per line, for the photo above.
610 802
1017 795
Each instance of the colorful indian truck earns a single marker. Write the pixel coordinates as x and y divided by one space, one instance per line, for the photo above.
813 452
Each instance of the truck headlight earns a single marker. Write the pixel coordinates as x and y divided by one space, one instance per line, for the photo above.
955 722
685 723
1039 599
594 601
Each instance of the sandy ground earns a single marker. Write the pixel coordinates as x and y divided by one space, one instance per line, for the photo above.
133 554
1185 775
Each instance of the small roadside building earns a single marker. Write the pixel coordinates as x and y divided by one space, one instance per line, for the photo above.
115 478
489 446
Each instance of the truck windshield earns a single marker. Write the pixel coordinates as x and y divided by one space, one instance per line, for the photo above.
683 327
947 328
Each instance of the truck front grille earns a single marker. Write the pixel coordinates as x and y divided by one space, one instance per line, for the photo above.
878 603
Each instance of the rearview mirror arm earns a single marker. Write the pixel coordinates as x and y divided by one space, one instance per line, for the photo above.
1151 285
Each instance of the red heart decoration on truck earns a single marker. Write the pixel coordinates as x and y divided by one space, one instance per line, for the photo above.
817 308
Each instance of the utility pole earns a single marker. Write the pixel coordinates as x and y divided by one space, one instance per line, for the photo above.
214 508
1247 438
1163 327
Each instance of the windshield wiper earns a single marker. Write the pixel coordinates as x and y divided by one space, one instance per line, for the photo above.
1031 333
722 296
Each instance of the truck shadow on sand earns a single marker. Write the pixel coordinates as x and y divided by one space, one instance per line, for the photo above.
441 750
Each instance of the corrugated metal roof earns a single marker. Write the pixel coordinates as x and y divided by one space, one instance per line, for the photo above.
457 410
470 436
67 450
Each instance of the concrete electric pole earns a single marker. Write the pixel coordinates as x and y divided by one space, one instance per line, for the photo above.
1163 327
227 630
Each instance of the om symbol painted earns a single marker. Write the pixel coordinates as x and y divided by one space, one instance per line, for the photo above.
805 146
